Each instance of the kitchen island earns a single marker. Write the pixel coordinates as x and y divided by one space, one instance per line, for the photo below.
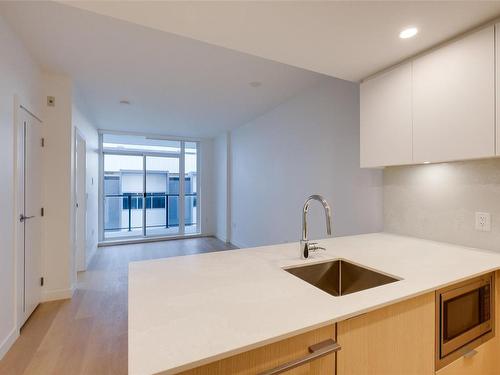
185 312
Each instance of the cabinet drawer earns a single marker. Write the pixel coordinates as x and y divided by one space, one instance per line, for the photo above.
483 362
270 356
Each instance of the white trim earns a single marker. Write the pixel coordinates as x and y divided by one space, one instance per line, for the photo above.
152 135
240 245
229 227
18 271
110 151
152 239
54 295
181 206
8 342
100 193
31 113
199 171
91 250
82 205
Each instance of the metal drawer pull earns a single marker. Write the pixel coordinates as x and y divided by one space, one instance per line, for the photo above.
471 353
316 351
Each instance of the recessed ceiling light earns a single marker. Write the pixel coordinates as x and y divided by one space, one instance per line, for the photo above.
255 84
408 33
427 162
125 102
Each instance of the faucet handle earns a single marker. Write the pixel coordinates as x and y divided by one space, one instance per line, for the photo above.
313 246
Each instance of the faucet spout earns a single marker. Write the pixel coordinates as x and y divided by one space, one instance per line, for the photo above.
305 246
328 214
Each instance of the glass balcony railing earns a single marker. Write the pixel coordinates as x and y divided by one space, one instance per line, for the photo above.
124 213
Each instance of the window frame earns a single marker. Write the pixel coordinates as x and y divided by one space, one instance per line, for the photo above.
145 154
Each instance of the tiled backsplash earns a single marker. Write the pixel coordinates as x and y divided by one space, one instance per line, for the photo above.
439 201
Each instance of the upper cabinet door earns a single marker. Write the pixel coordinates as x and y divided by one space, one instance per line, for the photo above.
454 100
385 119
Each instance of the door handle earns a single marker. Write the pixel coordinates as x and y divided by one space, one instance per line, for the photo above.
316 351
23 218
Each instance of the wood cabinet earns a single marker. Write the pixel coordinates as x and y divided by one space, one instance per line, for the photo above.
270 356
438 107
454 100
385 119
397 339
485 362
393 340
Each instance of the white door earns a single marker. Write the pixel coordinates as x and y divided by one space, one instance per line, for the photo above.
497 88
30 206
80 202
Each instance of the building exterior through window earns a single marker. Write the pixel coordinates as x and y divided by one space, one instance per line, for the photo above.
144 192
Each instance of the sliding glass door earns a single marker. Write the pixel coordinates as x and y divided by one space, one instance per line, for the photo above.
162 195
123 196
149 188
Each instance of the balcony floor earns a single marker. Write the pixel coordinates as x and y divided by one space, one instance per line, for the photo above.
151 232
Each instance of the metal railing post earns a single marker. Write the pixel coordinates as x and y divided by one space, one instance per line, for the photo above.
166 210
130 212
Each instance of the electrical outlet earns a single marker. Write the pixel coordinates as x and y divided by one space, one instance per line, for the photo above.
483 221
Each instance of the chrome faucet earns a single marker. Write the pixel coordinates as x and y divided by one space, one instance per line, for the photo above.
305 245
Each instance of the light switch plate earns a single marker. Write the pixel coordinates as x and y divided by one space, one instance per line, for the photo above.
483 221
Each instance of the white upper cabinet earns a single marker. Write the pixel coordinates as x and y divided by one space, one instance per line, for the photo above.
385 119
454 100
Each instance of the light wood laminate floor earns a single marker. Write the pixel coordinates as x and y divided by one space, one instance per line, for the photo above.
88 334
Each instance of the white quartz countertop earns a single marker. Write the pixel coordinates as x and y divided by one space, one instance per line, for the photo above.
190 310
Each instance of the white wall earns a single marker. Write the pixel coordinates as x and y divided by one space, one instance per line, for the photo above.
439 201
87 128
20 76
207 213
58 220
309 144
221 191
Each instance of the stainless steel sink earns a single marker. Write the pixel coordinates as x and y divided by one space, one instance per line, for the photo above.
340 277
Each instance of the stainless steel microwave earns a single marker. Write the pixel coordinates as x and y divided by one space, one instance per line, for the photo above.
465 315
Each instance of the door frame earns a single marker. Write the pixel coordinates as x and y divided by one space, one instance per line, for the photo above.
81 205
18 125
144 237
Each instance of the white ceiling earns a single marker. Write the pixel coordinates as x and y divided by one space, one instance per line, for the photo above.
345 39
176 85
177 61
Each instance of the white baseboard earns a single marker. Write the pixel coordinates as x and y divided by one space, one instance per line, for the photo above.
90 253
8 341
54 295
152 239
239 244
221 237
